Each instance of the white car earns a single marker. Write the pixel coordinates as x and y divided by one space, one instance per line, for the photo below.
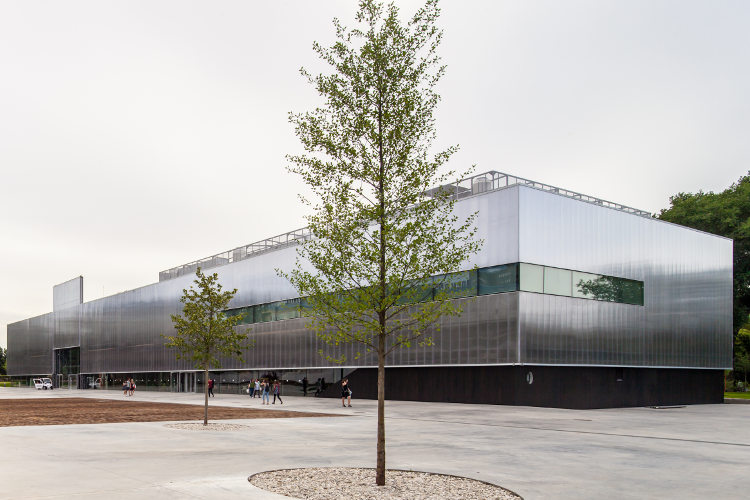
43 383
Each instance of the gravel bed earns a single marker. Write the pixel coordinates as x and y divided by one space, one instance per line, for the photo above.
209 427
346 483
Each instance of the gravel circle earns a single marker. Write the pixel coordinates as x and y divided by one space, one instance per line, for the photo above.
344 483
210 427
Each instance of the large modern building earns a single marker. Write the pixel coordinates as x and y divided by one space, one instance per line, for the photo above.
572 302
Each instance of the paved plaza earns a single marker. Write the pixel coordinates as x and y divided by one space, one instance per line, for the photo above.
540 453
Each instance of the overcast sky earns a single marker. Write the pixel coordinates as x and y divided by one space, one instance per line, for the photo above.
138 136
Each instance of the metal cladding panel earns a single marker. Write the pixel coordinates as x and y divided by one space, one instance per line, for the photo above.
686 320
256 279
30 346
66 327
496 223
122 333
564 330
68 294
485 333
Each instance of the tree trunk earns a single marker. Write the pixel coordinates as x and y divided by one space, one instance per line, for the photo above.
380 468
205 397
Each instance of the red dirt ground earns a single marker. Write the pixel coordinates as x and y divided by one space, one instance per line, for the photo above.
100 411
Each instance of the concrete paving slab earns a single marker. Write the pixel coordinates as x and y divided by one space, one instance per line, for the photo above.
691 452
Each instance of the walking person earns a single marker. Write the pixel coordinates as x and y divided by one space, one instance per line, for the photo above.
277 392
346 393
132 386
211 387
318 386
125 387
257 388
250 388
304 386
266 398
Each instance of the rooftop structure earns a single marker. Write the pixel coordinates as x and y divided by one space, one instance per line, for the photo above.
470 186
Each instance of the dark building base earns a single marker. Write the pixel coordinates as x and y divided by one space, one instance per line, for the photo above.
547 386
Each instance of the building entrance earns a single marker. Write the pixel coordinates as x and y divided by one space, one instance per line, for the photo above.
183 382
67 367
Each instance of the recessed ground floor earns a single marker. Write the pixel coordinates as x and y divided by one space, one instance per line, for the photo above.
548 386
579 387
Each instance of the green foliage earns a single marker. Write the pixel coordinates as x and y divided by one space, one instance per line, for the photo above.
742 354
204 332
3 361
737 395
380 232
378 235
612 289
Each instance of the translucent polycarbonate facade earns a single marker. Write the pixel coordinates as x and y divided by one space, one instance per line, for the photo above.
67 294
684 278
686 320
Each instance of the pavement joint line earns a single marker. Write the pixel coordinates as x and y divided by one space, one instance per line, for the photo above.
570 431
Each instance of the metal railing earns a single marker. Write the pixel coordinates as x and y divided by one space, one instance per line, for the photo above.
493 180
239 253
470 186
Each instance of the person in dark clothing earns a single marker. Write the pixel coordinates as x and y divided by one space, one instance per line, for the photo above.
346 393
277 392
318 389
304 386
211 387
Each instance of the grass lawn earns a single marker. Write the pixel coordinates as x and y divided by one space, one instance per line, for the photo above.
738 395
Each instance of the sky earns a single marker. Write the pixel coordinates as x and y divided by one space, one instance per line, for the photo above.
138 136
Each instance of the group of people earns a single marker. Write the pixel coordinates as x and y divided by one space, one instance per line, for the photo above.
263 389
128 387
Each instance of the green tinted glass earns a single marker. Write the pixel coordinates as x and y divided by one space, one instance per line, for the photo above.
264 312
498 279
531 278
484 281
287 309
558 281
416 291
632 292
455 285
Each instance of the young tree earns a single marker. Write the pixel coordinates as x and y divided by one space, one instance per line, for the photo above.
381 234
3 360
204 332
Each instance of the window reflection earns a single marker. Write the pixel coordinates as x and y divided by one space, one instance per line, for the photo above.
484 281
455 285
579 279
498 279
612 289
